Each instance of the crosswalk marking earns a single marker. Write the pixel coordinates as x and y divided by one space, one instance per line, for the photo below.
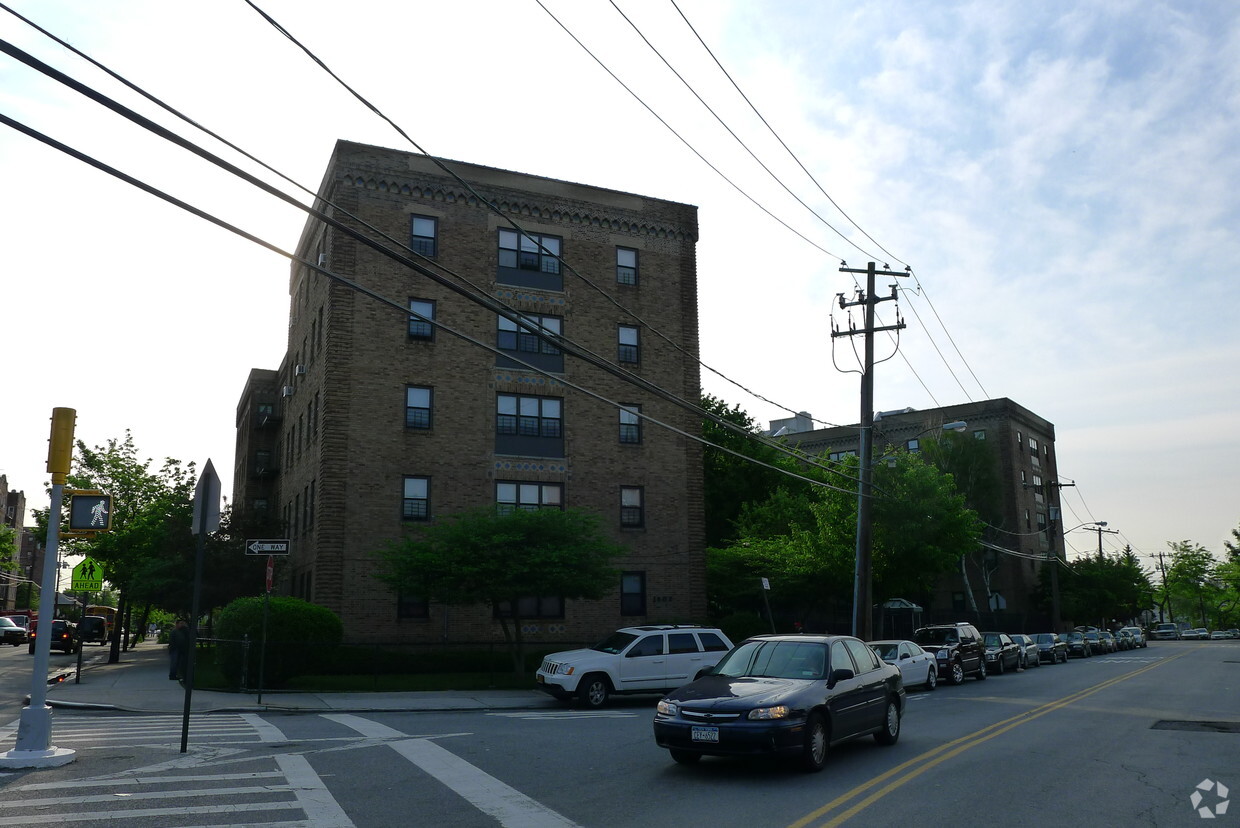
566 715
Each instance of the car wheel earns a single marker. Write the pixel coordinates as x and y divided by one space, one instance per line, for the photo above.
1000 669
957 674
684 757
890 733
980 675
932 677
594 690
814 752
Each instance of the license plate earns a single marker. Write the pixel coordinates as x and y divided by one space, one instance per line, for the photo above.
704 734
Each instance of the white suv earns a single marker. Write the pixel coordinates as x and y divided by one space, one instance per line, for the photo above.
651 659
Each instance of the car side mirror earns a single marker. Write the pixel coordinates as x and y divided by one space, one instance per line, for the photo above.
906 655
841 674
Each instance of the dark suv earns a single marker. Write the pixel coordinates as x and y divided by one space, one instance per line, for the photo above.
63 636
957 649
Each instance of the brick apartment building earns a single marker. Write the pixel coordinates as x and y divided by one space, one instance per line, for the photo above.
378 421
13 517
1029 532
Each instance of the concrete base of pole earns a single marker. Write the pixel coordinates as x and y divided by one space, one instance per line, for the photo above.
34 742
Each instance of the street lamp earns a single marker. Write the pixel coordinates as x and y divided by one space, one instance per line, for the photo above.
862 620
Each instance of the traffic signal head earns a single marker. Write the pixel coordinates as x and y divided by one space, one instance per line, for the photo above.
60 444
90 513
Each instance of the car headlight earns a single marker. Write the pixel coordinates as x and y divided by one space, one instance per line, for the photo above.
567 671
941 656
779 711
665 708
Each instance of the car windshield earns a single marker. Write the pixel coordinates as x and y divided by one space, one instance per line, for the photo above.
775 659
992 639
936 636
1092 636
614 643
1045 638
886 650
5 622
1073 636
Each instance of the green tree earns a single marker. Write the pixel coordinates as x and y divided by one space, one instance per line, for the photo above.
485 557
1098 591
1190 586
730 481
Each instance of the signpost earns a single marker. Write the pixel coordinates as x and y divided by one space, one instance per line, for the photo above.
267 547
206 519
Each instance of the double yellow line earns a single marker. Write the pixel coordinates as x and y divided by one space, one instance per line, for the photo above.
910 770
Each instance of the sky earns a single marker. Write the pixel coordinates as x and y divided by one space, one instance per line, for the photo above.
1061 178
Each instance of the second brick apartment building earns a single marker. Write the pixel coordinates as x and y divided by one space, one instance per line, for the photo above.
381 418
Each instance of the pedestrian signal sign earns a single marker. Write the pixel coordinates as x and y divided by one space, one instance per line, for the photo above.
90 513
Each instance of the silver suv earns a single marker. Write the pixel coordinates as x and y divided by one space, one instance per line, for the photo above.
648 659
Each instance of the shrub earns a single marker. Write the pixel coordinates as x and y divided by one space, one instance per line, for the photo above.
301 637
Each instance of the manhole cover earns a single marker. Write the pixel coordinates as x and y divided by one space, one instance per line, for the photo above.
1197 727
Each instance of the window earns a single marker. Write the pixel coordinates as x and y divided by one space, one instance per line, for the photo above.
528 416
678 643
531 260
1037 488
864 657
651 645
836 456
980 434
633 593
629 345
420 326
417 407
913 445
424 232
510 495
630 423
412 606
522 340
626 266
631 512
417 499
712 643
532 606
1033 446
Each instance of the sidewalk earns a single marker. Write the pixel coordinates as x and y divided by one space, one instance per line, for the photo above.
140 684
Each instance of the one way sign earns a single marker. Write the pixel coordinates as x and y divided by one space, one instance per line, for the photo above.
266 547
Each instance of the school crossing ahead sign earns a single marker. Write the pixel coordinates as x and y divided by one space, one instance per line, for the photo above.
87 576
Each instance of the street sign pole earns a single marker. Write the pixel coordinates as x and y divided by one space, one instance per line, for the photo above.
262 652
207 519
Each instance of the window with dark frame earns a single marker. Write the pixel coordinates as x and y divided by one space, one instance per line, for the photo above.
515 494
630 423
531 607
522 338
528 416
424 235
530 260
629 345
418 407
632 513
416 503
420 326
633 593
626 266
412 606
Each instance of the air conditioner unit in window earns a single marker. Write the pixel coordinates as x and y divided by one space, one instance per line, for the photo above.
299 370
322 260
287 392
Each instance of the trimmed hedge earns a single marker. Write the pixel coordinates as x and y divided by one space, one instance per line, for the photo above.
301 638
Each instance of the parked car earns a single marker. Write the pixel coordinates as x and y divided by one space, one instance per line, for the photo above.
10 633
1123 639
1138 636
650 659
1165 631
1002 653
1233 633
917 667
783 695
1078 644
1109 641
1029 656
957 650
1051 648
1219 635
1201 634
63 636
93 628
1096 644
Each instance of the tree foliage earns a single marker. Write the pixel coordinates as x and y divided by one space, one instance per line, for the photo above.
1105 590
485 557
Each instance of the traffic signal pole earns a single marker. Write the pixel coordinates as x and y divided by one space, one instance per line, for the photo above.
34 747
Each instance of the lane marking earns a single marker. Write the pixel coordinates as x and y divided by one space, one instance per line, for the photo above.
321 808
506 804
935 757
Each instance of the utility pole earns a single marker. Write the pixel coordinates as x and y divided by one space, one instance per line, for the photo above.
863 620
1098 528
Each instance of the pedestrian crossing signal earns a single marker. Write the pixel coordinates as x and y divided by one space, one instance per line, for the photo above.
90 513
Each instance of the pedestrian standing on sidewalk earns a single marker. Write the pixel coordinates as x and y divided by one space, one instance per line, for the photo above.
178 650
